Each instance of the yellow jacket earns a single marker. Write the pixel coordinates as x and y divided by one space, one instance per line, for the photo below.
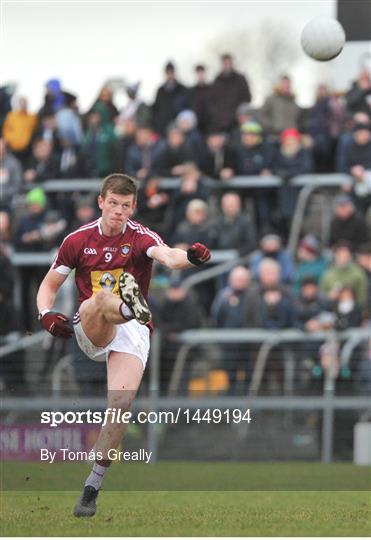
18 129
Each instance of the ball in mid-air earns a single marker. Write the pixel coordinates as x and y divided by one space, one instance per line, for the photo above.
323 38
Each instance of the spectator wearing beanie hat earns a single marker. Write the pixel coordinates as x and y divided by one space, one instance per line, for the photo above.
311 263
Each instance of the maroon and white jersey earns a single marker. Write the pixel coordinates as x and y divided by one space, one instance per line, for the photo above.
99 260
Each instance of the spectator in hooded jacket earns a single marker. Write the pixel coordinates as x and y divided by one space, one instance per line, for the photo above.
280 110
54 98
227 92
347 224
171 98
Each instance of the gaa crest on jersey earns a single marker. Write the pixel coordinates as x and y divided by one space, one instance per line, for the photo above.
125 250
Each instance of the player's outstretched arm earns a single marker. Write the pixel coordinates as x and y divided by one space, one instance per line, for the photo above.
55 323
179 259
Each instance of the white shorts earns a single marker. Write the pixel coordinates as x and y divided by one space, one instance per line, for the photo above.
131 338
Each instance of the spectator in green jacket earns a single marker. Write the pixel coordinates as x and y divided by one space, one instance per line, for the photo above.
344 272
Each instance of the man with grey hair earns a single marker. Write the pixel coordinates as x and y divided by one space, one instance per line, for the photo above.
229 311
195 225
271 246
233 228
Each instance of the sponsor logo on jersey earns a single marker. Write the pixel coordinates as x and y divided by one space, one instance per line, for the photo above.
90 251
111 249
105 279
125 250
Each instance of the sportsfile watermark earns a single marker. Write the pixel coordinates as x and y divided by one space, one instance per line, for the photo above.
114 415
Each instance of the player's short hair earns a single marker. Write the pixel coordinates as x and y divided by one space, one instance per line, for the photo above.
120 184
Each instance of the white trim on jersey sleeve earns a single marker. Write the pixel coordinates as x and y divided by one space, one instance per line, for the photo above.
149 251
61 269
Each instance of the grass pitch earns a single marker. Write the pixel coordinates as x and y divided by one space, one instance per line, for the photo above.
36 512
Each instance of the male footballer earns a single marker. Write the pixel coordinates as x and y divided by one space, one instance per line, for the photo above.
112 258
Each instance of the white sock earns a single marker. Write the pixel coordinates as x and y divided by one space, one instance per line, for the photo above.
95 478
125 312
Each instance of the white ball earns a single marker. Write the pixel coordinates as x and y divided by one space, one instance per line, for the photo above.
323 38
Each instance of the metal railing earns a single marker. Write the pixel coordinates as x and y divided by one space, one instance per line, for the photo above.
327 403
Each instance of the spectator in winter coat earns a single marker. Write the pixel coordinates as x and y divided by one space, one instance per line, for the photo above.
318 126
227 92
290 160
68 121
311 264
359 152
271 247
229 310
199 98
308 306
98 146
18 129
186 121
105 107
346 139
233 228
43 163
193 186
280 110
348 312
195 227
142 156
174 154
344 272
255 158
218 159
359 96
347 224
152 206
171 98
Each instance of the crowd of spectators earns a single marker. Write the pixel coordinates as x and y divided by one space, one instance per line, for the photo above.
209 130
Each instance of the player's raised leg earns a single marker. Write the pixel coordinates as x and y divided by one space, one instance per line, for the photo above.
100 313
124 374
